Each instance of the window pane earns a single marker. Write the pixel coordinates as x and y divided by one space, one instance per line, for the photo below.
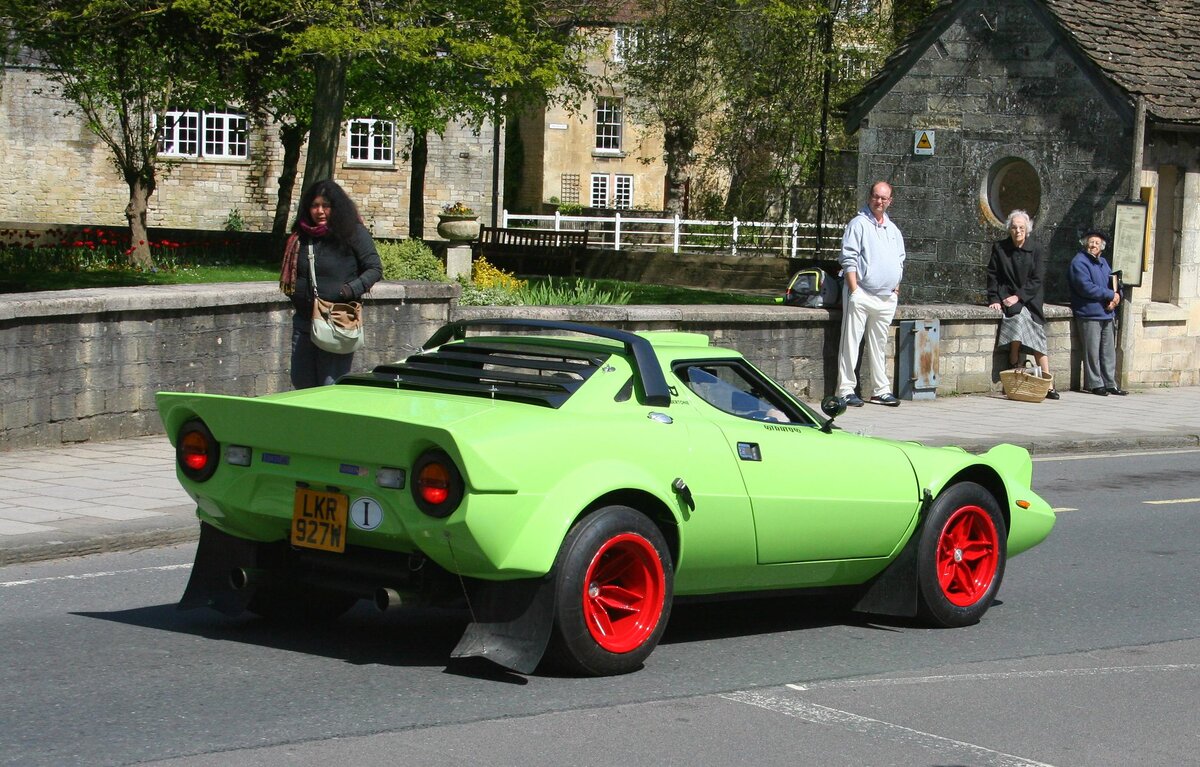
179 135
370 141
599 190
623 196
608 125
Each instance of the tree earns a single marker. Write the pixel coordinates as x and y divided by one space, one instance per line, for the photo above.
737 87
669 76
122 63
468 60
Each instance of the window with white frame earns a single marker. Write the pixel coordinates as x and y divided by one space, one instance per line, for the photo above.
608 125
622 192
225 135
371 141
179 134
599 190
626 43
612 191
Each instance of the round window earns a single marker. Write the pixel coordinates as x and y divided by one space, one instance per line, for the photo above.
1013 185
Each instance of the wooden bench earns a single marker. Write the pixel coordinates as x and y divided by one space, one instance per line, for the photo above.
532 251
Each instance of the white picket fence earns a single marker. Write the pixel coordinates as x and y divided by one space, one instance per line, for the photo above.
680 235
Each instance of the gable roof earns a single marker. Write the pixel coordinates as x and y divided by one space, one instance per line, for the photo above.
1147 48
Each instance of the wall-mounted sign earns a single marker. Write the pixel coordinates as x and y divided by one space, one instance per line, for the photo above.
1129 242
923 142
558 126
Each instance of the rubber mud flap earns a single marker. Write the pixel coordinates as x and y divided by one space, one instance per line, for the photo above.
216 557
511 623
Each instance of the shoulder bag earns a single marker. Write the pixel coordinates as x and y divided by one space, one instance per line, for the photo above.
337 327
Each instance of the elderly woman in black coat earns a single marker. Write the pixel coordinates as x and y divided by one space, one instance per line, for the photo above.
1015 276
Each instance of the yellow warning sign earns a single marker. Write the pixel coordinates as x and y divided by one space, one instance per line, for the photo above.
923 142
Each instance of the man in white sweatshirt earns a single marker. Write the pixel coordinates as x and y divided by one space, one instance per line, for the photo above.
872 266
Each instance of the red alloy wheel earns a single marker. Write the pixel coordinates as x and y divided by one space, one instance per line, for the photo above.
623 593
967 556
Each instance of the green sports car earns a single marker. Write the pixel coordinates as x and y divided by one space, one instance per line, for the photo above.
564 483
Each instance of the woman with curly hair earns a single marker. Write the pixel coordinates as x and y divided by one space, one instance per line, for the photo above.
346 264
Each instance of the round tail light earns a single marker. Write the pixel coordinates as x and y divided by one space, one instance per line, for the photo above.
196 451
437 485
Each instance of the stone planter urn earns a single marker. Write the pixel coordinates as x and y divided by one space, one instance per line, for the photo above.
458 228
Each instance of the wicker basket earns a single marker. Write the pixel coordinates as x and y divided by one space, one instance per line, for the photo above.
1024 385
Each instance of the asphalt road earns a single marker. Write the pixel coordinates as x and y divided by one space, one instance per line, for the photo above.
1090 657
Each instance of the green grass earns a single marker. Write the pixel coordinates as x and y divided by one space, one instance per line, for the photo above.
27 280
672 294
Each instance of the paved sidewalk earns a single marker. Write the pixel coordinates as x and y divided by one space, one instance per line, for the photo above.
110 496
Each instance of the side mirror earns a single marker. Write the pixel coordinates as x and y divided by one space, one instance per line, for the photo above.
832 407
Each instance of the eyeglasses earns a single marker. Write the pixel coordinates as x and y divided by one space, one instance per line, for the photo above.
882 197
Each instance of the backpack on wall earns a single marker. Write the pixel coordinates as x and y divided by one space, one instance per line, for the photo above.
813 289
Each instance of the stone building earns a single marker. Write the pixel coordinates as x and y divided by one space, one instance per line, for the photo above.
1067 109
54 171
594 155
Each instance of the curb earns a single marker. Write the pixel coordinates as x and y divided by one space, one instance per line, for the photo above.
79 546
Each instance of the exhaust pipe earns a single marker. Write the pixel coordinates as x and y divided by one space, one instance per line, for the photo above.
388 599
242 578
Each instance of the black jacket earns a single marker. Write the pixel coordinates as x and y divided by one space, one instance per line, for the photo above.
354 264
1020 272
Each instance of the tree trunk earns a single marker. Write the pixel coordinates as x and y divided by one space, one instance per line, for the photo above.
416 188
135 214
291 137
678 142
329 99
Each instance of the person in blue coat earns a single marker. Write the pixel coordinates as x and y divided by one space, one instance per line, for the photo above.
1094 300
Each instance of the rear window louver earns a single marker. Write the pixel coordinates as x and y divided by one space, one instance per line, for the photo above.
537 374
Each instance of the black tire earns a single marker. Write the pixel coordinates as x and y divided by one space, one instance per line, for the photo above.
610 622
295 604
961 556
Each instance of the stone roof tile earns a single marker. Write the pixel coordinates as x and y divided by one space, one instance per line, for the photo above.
1147 48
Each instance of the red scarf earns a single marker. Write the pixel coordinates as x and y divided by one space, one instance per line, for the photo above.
287 269
291 255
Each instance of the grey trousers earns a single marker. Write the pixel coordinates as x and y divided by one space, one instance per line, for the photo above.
1099 353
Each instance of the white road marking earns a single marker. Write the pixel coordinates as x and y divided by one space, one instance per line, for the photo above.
938 679
1060 509
1095 456
1175 500
811 712
86 576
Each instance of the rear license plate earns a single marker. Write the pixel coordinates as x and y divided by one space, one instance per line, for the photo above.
319 520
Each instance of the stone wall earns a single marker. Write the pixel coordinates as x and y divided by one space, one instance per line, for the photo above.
85 365
998 84
55 171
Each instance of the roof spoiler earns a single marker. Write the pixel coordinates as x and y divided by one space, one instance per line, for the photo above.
654 383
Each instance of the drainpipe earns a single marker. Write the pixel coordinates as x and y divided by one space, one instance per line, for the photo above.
1127 341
